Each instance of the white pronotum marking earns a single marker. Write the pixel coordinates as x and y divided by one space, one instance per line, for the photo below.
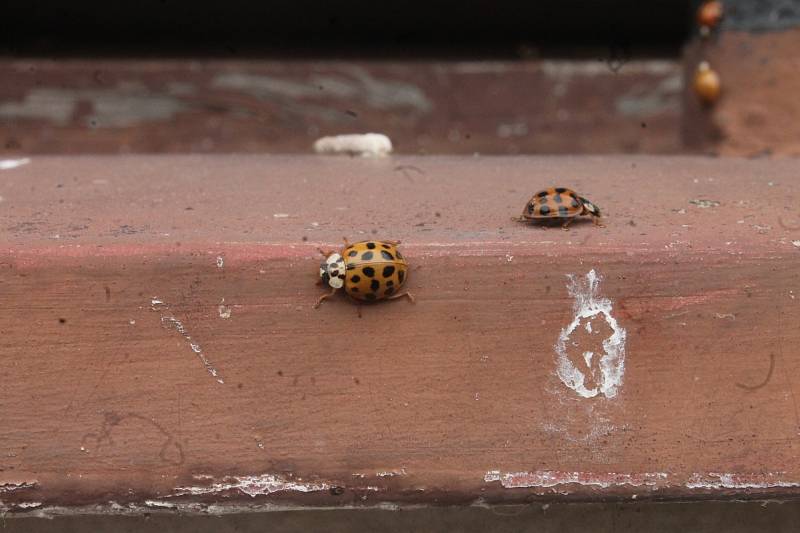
588 304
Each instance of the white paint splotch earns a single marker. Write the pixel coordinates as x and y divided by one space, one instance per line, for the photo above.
260 485
169 320
605 369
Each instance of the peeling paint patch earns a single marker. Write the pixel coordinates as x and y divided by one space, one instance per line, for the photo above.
8 164
168 320
11 487
391 473
253 486
553 478
363 144
714 480
611 362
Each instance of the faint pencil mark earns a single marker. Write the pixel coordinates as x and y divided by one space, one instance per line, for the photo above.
404 169
111 420
785 225
766 380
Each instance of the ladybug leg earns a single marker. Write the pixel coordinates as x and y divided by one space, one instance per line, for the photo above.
358 310
407 294
346 242
325 253
324 297
565 224
598 222
392 242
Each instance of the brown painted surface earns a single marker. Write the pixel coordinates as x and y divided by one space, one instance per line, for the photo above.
117 274
213 106
758 113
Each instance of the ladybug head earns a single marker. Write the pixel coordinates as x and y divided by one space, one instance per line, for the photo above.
590 207
332 271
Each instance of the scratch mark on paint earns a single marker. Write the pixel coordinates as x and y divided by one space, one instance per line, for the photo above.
253 486
612 362
169 320
553 478
391 473
8 164
766 379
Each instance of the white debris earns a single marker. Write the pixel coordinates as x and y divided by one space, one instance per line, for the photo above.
363 144
8 164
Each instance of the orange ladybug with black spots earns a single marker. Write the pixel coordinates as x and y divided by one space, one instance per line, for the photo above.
558 204
368 271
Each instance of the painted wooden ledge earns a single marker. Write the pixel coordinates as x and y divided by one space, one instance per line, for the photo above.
158 349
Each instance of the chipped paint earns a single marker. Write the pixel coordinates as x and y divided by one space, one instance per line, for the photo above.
223 310
8 164
11 487
169 320
220 261
129 104
713 480
611 362
253 486
554 478
391 473
363 144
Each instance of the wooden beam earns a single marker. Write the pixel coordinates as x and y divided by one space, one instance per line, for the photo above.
158 346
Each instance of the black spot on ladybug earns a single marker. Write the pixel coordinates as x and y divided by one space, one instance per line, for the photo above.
557 198
387 255
352 253
375 285
356 278
544 210
353 289
559 190
542 194
401 274
366 256
390 283
371 245
389 291
398 254
370 296
530 207
563 211
385 246
351 266
575 203
368 271
388 271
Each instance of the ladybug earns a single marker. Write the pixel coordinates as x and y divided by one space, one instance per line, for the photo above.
707 84
558 204
368 271
709 14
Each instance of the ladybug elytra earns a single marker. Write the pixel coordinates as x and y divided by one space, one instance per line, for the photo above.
558 204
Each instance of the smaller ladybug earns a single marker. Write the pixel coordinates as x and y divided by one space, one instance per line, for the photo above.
709 14
706 84
558 204
368 271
